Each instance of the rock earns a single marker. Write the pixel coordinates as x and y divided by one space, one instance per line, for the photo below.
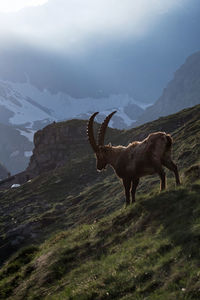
57 144
181 92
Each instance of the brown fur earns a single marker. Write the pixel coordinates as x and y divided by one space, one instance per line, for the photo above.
139 159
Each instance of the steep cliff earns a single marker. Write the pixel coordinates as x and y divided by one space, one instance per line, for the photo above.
59 143
183 91
56 144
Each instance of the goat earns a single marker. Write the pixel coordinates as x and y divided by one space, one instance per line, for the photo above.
136 160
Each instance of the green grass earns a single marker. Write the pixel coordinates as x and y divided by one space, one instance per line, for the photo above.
148 250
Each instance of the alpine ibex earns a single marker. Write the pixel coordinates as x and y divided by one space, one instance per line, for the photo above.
136 160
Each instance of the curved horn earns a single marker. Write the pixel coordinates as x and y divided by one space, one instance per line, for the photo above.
90 133
103 128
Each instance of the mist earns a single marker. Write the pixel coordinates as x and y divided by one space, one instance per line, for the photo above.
99 48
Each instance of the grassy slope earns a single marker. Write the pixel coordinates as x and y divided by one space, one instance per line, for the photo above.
141 250
150 249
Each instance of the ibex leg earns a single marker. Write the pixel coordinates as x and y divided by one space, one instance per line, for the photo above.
127 186
135 183
161 173
172 167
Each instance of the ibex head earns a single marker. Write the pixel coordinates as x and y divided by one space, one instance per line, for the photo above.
99 148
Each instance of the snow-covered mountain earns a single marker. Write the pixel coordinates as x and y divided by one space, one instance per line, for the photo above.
15 149
24 109
22 103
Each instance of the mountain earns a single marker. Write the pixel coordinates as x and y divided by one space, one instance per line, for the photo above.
24 104
183 91
36 215
24 109
15 149
27 109
3 172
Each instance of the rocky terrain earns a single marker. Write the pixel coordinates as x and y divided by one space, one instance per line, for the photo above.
57 144
181 92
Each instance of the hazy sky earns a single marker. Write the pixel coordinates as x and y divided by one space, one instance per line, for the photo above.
71 25
89 47
16 5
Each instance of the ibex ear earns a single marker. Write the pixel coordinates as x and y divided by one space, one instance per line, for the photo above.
110 145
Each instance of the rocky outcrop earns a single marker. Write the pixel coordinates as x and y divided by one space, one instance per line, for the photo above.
54 146
182 92
57 144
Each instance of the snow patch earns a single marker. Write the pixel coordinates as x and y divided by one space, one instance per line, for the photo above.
28 153
14 154
42 105
29 134
15 185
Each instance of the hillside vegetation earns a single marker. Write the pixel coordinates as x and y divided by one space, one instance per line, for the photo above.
150 250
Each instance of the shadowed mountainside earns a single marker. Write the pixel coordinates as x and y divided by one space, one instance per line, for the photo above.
148 250
182 91
141 250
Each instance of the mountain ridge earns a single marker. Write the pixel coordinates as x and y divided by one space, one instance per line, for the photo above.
181 92
26 109
25 103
